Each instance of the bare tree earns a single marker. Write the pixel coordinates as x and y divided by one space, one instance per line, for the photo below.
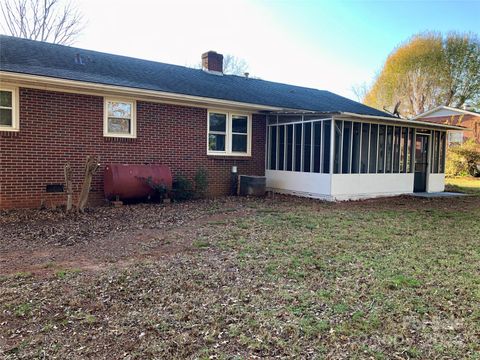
234 65
360 91
53 21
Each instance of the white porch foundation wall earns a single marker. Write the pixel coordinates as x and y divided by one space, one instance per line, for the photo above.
312 185
340 187
436 182
361 186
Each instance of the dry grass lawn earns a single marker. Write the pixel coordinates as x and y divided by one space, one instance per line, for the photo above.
244 278
469 185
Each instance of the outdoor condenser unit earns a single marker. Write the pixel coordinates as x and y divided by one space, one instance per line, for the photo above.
252 185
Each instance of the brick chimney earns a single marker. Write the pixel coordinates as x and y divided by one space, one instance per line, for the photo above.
211 61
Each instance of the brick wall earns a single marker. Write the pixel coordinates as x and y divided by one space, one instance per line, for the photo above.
56 128
471 123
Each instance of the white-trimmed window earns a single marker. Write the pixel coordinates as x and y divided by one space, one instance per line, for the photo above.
229 133
120 118
9 109
455 137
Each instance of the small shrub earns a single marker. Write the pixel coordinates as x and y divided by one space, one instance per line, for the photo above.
182 189
185 189
463 160
160 189
201 182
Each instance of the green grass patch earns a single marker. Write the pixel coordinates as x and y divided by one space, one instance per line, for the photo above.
290 278
23 309
468 185
402 281
64 273
201 244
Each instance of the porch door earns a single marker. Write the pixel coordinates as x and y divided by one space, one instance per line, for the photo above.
421 163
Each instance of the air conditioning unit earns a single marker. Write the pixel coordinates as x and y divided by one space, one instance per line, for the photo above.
252 185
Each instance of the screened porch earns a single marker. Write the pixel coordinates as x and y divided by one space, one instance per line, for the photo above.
333 157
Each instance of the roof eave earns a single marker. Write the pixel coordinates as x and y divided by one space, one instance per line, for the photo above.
428 112
57 84
399 120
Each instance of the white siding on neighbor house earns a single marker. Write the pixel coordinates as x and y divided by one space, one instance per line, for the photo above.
443 112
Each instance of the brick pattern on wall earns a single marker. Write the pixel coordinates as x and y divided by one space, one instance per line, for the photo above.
471 123
56 128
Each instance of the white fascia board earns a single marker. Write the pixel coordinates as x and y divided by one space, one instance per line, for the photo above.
410 123
58 84
444 107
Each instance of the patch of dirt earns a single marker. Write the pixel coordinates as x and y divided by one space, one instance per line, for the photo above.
43 241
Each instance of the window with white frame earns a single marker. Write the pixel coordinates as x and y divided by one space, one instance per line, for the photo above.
8 109
455 137
119 118
229 133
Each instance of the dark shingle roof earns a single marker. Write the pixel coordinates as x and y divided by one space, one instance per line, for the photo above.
40 58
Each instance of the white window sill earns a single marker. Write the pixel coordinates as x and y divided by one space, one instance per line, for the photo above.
233 155
4 128
120 136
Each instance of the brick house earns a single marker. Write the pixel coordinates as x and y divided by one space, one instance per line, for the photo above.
466 118
59 104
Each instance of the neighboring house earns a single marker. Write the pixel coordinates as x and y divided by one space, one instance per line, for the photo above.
466 118
60 104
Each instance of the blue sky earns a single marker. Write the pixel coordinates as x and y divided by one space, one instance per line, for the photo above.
370 30
330 45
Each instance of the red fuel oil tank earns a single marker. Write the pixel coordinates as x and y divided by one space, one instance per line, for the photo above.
129 182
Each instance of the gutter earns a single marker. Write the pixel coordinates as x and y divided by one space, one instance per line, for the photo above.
85 87
344 115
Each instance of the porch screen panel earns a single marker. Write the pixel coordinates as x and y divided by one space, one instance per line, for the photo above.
389 148
381 148
396 150
411 150
365 146
403 150
373 148
273 148
281 147
289 153
317 139
359 148
432 151
356 139
346 153
307 146
442 152
298 147
327 127
338 146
